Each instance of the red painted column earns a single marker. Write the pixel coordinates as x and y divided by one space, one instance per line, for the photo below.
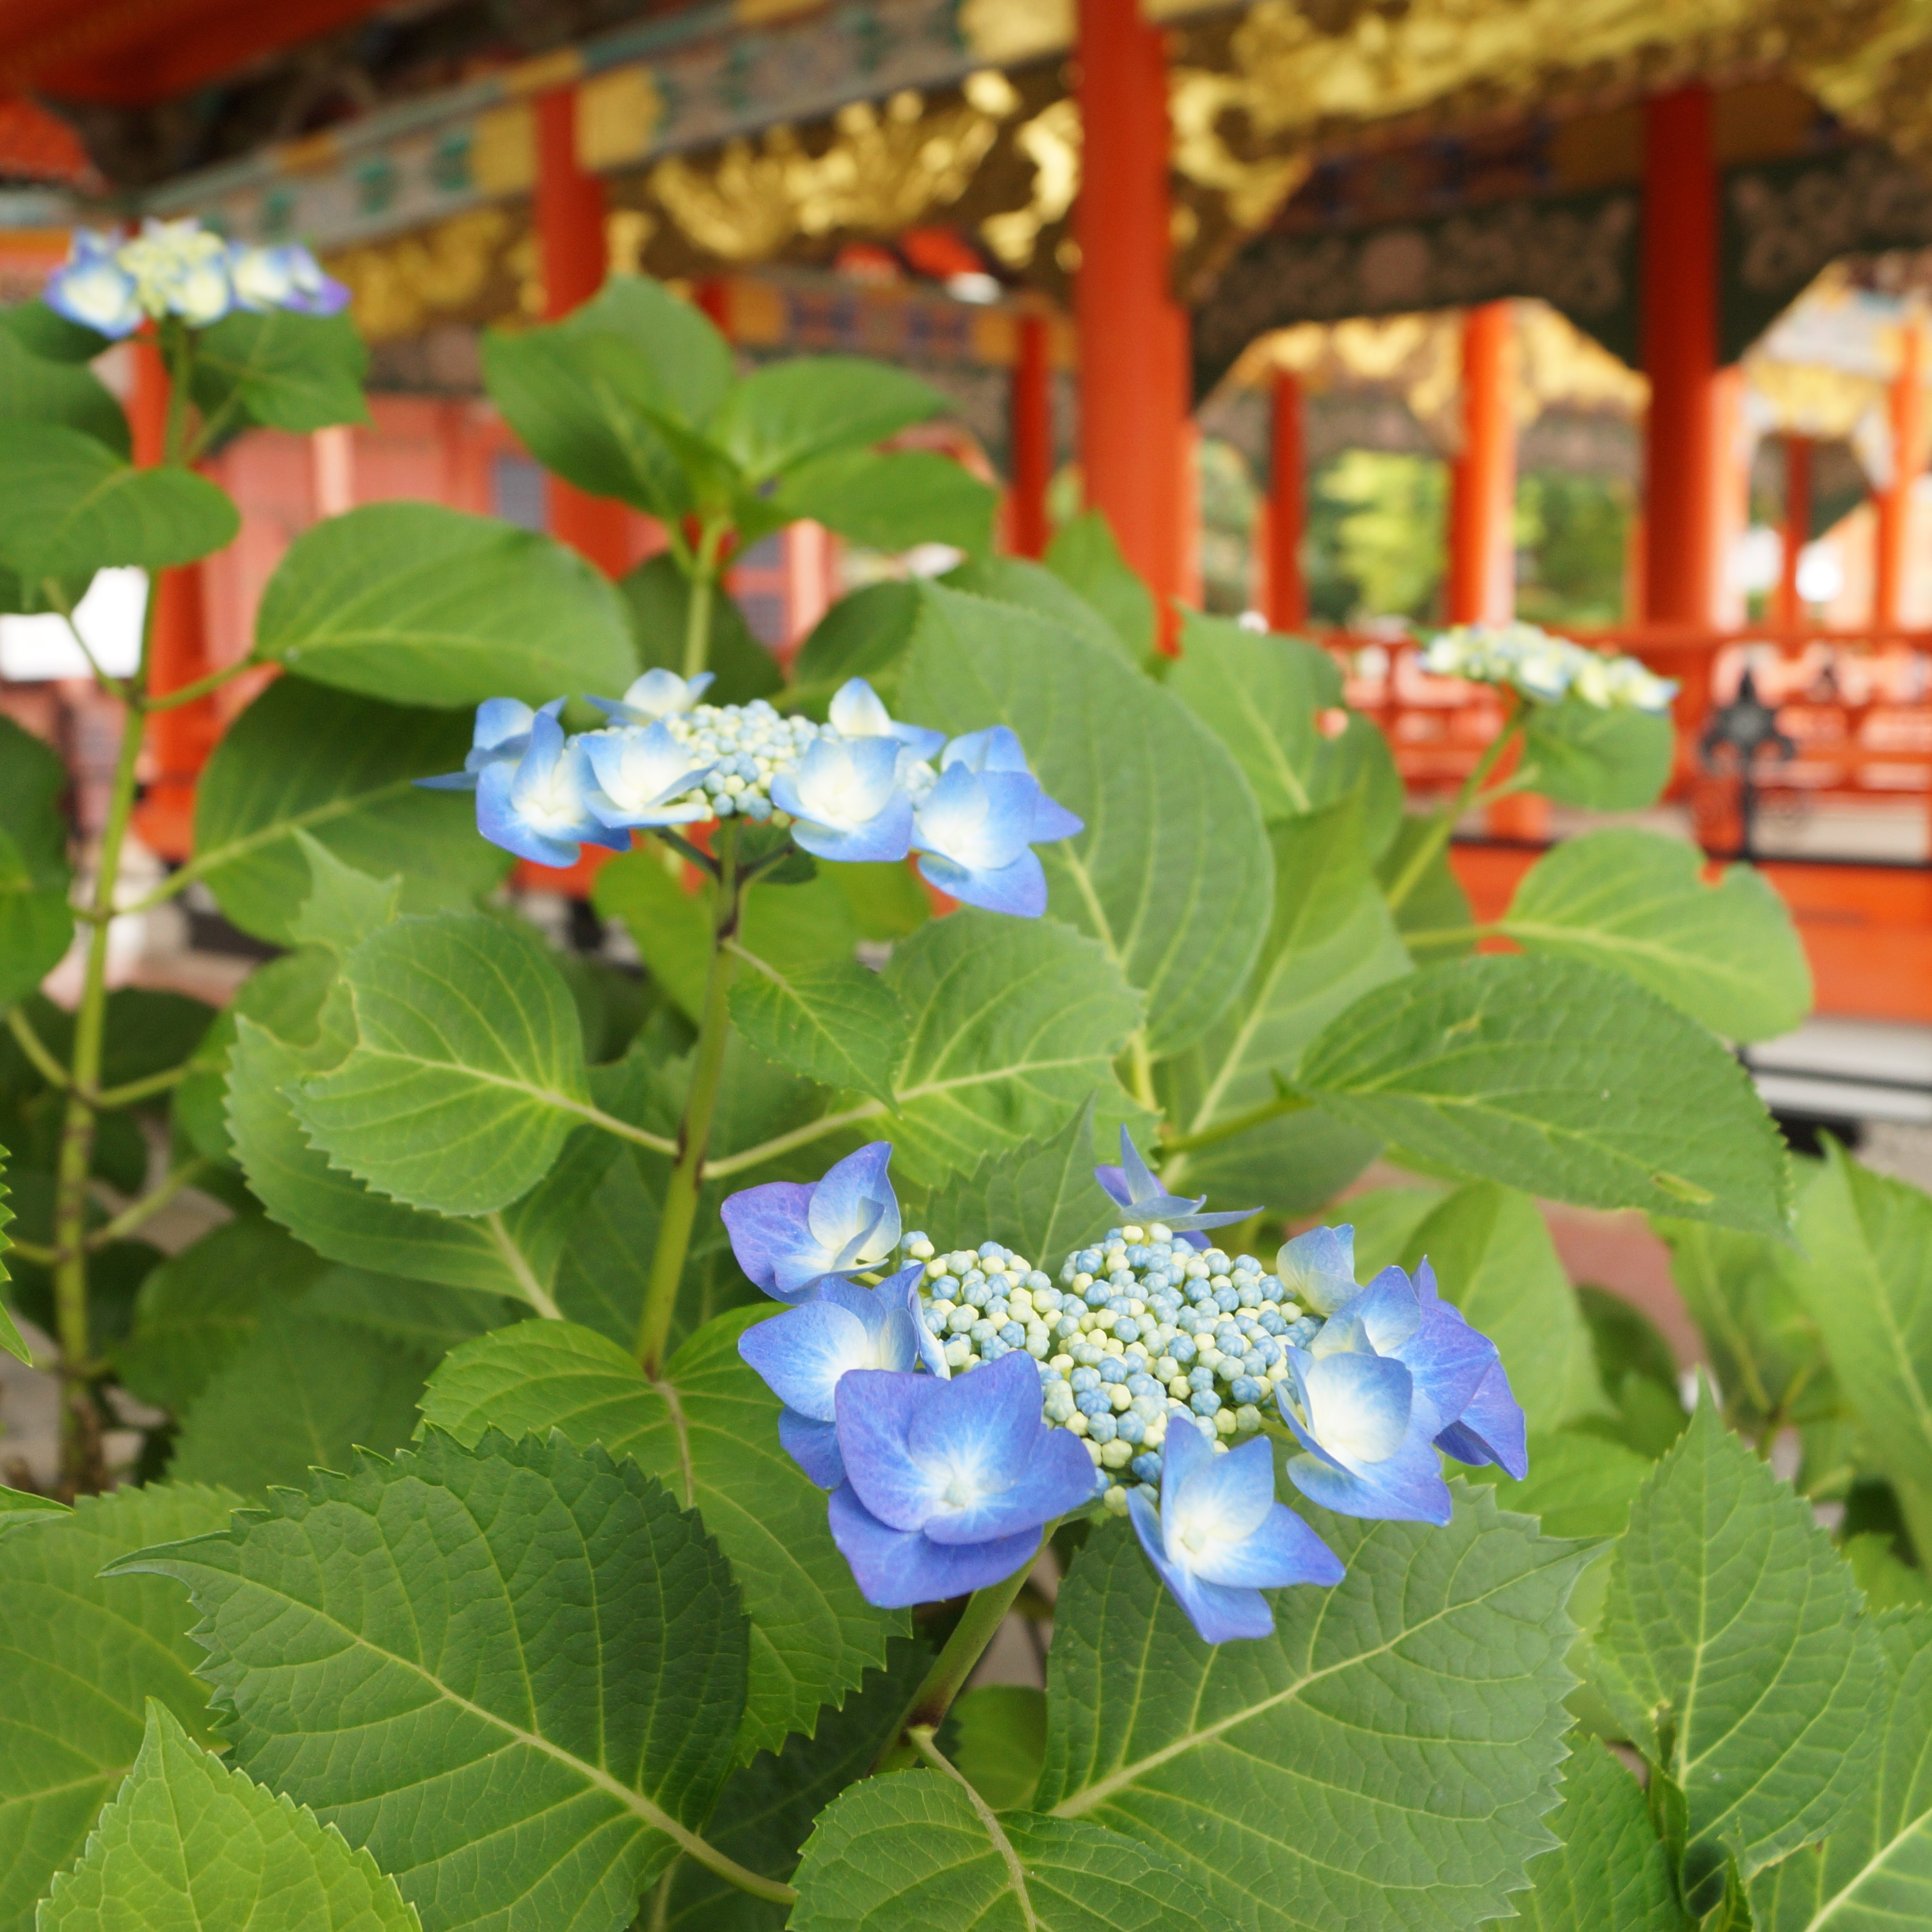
1482 510
180 740
1287 507
1133 337
1894 501
1030 433
569 209
1789 609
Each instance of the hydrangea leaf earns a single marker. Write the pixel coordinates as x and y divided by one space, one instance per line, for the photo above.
770 1805
536 1641
919 1851
72 505
1084 556
1874 1872
80 1655
418 604
281 369
20 1503
657 599
1268 700
11 1339
995 1734
1436 919
709 1431
1034 586
344 769
838 1023
1014 1022
891 500
1867 1281
1617 760
1579 1485
344 906
1559 1079
1428 1686
1609 1873
605 1265
189 1841
1331 939
787 413
1733 1648
1172 875
467 1072
34 388
867 634
1726 954
33 782
36 924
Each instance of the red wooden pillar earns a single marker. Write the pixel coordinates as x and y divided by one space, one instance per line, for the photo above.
1789 609
1287 508
1030 433
1894 501
1482 507
570 232
178 740
1133 337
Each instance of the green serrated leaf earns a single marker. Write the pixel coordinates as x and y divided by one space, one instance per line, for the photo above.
418 604
1015 1023
344 906
33 781
1172 875
995 1734
1726 954
72 505
1084 556
80 1655
866 634
1874 1873
1733 1648
709 1431
281 369
344 769
919 1850
1560 1079
1034 586
1888 1583
1429 1684
1578 1485
10 1337
893 500
542 1634
787 413
1265 698
1617 760
1866 1279
1609 1873
1039 1199
188 1842
839 1024
467 1074
606 1262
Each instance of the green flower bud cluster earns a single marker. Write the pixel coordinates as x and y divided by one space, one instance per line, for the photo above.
747 745
1141 1332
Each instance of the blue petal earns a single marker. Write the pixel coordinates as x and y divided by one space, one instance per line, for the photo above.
801 1354
854 1197
876 1411
1113 1179
1219 1615
1448 1359
769 1233
813 1446
994 749
1405 1487
450 781
1317 1268
894 1569
1052 821
899 1293
500 719
1490 1429
498 821
1058 1479
1359 1405
1237 1487
881 841
1019 888
1283 1550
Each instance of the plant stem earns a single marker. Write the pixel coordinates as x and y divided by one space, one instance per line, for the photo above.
125 1095
35 1047
186 694
1235 1124
698 609
679 1209
985 1611
1433 840
132 1216
1141 1062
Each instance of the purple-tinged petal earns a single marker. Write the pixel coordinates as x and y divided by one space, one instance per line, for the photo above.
450 781
1057 1478
801 1355
813 1446
855 1200
1113 1179
767 1224
1449 1360
876 1411
1491 1428
1317 1268
894 1569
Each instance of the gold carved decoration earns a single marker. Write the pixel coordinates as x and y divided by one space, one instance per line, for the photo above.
1050 141
399 288
1008 32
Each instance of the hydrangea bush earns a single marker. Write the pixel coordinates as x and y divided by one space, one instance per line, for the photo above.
645 1355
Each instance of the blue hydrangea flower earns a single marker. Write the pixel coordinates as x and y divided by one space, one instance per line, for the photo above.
501 734
1219 1538
971 832
857 711
802 1353
789 1236
286 277
845 794
948 1484
658 693
181 268
1134 1186
538 807
641 775
91 288
1317 1268
997 749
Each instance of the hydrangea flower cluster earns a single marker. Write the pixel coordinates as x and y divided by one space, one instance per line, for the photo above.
1152 1369
861 788
110 282
1546 667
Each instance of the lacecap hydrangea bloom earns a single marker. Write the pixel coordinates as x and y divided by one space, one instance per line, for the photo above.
111 283
860 788
1545 667
1167 1367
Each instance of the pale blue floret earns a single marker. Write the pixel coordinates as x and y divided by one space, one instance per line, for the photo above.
286 277
644 777
1133 1186
501 734
1219 1538
998 749
971 832
658 693
948 1484
857 711
181 268
91 288
538 807
788 1236
1317 1268
802 1353
846 796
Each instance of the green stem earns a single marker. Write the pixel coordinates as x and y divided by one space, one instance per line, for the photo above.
127 1095
35 1047
144 1210
1235 1124
798 1137
985 1611
679 1209
698 609
186 694
1142 1062
1437 836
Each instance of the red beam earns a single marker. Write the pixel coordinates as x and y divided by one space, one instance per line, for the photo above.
1031 435
1894 532
1482 508
1287 508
